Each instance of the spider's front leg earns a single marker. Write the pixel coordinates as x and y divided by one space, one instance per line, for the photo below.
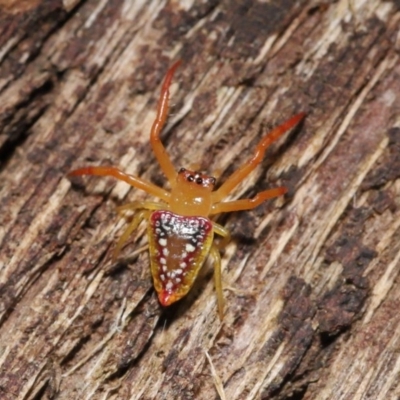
241 174
162 113
218 206
247 204
132 180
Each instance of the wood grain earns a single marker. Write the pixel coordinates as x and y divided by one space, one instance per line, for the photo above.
311 280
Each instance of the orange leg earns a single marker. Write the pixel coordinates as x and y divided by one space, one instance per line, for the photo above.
239 175
122 176
247 204
162 112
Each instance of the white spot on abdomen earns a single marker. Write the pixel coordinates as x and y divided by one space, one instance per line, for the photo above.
189 248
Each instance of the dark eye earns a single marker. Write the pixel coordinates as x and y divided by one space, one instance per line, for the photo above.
181 170
199 181
190 178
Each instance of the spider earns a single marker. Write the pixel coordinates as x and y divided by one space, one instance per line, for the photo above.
180 232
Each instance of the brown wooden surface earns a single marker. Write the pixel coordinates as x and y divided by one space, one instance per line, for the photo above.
311 280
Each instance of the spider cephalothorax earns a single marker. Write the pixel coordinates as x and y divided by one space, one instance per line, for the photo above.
197 177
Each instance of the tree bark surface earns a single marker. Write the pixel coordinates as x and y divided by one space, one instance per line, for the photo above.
311 279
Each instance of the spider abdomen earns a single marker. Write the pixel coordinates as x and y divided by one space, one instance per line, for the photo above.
178 246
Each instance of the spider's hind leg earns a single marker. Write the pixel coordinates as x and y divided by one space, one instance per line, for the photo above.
224 233
137 219
142 210
216 257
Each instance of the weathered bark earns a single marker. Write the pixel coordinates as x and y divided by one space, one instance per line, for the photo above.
311 280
